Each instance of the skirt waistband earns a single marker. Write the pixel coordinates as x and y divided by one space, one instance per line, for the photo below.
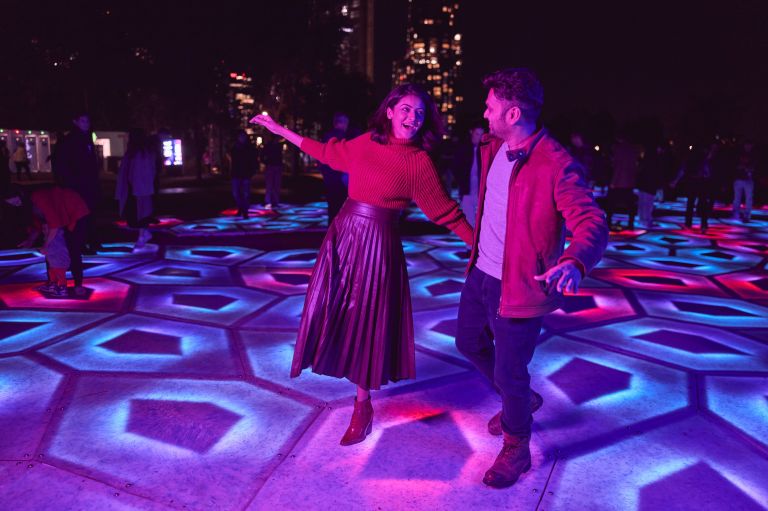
354 207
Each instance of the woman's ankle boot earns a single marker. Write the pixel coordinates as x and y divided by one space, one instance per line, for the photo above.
361 423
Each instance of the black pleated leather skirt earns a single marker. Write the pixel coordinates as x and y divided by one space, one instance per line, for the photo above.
357 321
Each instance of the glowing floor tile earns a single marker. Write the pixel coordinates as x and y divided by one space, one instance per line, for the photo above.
742 401
716 231
444 240
416 216
20 257
253 426
685 465
20 330
419 264
748 285
704 309
589 391
26 390
227 256
618 262
273 225
284 315
436 290
304 219
102 295
632 249
691 346
178 272
38 485
140 344
658 280
413 246
590 305
300 258
204 227
757 246
92 267
702 261
666 239
451 257
442 430
286 281
127 250
752 224
436 330
271 353
218 305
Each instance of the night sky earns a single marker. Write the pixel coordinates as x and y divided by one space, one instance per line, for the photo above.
628 59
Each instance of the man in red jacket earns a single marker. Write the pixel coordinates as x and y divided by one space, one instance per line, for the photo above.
531 190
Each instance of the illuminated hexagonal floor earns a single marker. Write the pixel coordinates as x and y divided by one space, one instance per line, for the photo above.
167 385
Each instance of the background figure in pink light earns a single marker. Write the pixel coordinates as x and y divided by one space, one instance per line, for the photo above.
357 321
744 181
135 183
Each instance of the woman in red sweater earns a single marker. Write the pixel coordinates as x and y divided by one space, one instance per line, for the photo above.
357 322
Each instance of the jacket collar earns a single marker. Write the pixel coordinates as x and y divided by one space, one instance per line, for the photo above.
493 144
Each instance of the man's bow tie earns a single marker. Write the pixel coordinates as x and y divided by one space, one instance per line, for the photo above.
516 154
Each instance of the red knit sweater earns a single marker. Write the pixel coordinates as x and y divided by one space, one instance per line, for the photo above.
391 176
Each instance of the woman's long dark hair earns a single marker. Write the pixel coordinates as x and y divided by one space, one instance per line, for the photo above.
431 131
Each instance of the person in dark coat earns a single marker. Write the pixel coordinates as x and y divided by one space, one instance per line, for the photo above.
697 175
272 157
245 163
335 181
5 170
75 165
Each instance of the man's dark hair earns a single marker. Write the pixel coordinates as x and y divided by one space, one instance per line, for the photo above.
519 86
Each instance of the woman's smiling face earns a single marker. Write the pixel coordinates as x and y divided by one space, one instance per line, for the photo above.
407 117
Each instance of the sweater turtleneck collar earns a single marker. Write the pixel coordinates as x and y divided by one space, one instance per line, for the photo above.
402 141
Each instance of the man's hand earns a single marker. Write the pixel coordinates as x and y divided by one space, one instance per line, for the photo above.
566 274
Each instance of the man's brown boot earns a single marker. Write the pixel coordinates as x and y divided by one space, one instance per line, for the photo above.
361 423
513 461
494 425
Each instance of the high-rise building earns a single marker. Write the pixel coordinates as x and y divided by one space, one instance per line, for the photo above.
241 105
355 22
433 55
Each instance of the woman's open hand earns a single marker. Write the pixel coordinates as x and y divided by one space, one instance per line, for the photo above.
266 121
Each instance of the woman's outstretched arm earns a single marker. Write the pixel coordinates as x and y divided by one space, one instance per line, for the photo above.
281 131
338 154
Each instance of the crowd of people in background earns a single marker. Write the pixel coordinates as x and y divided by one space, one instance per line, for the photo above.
629 177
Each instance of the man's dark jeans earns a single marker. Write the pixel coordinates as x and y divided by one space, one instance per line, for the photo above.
500 348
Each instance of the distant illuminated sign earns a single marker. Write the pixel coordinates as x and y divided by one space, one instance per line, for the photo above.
172 152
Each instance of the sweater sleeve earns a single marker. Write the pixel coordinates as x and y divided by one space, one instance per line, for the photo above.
337 154
430 196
